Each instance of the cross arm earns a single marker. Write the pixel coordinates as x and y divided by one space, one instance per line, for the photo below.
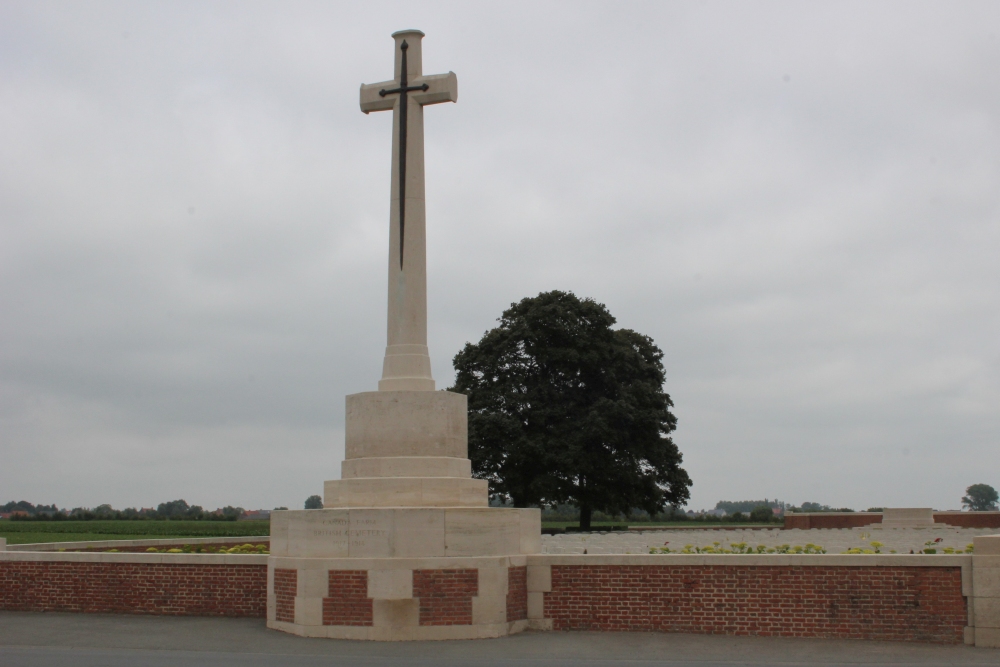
441 88
372 101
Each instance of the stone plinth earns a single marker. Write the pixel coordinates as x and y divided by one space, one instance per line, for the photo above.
393 599
406 449
406 546
406 423
907 517
401 573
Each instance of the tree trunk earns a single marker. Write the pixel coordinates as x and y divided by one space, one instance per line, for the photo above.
585 512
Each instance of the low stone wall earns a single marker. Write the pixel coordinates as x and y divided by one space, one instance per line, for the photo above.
807 521
932 598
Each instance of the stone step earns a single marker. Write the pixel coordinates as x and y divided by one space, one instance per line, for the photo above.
406 492
406 466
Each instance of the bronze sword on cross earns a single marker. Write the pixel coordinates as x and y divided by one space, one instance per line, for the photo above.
402 90
425 90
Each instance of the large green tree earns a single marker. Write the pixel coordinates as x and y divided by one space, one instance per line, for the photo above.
980 498
564 408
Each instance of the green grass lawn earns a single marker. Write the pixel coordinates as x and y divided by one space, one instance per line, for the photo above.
31 532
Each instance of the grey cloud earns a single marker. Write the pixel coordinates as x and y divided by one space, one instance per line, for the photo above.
798 202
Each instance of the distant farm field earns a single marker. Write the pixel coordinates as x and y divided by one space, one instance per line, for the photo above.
30 532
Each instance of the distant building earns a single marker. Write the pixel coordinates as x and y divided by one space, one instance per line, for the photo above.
255 515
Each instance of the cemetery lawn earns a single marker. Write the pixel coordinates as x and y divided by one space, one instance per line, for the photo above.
31 532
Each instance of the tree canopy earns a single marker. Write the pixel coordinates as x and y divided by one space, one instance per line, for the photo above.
564 408
980 498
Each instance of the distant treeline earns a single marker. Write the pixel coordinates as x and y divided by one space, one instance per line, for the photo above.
175 510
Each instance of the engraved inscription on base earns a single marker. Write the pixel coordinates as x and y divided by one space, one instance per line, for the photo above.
370 533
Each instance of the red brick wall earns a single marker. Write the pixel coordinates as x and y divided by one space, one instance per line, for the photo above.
348 603
860 519
286 583
807 521
445 595
886 603
517 593
134 588
969 519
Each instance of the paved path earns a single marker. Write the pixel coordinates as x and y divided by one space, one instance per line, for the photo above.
90 640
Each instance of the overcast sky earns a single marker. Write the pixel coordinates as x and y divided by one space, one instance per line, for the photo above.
798 202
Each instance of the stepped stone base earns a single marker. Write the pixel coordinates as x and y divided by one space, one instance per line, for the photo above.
406 492
406 466
406 546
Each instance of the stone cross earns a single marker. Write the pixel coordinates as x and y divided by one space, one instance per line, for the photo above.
407 365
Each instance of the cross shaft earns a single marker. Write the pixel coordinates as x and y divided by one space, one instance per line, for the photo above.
402 90
407 365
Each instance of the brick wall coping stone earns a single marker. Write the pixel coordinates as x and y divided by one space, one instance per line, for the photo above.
779 560
867 514
874 519
105 557
430 563
772 526
879 514
116 544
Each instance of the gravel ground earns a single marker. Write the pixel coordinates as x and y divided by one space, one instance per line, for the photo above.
835 540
